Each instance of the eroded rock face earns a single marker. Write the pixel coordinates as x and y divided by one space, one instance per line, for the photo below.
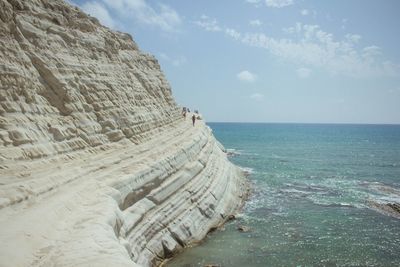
98 167
65 78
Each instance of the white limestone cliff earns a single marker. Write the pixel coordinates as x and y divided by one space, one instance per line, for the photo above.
97 165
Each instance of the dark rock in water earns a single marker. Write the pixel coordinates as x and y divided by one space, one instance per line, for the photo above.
394 206
212 229
391 209
232 152
231 217
243 229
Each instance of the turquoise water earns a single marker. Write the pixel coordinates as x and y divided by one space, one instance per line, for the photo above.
310 203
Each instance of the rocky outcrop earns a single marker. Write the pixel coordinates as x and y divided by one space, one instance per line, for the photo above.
98 167
389 209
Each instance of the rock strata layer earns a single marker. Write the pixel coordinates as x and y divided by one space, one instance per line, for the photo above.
98 167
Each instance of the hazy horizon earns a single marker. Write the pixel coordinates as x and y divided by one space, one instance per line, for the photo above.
282 122
271 60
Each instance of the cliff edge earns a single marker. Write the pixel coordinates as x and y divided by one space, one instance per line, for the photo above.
97 165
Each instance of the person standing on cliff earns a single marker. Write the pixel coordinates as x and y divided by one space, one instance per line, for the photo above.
184 109
193 119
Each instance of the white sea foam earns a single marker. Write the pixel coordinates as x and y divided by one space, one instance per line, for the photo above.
295 192
247 170
387 199
249 154
233 152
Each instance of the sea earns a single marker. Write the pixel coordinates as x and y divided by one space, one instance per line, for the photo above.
315 189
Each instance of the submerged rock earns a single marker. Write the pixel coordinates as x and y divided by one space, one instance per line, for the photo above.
244 229
231 217
394 206
390 209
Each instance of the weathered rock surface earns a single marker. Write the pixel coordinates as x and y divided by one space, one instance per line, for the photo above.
98 167
389 209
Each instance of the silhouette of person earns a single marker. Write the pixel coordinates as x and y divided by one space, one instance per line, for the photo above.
193 119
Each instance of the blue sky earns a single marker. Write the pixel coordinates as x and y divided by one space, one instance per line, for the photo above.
271 60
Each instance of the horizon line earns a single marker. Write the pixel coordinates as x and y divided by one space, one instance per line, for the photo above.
336 123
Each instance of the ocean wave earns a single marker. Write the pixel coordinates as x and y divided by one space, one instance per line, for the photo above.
327 203
344 192
247 170
233 152
298 189
309 187
382 188
295 192
245 153
331 192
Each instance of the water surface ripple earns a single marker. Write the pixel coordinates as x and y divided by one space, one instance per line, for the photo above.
311 205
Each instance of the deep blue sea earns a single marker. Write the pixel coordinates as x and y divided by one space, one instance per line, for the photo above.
314 186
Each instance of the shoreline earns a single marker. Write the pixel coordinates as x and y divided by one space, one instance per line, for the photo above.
230 218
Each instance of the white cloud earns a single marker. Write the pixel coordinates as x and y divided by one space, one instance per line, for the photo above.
98 10
354 38
232 33
167 18
257 97
255 22
246 76
177 62
271 3
304 12
278 3
164 56
256 3
208 24
311 46
371 51
303 73
163 17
